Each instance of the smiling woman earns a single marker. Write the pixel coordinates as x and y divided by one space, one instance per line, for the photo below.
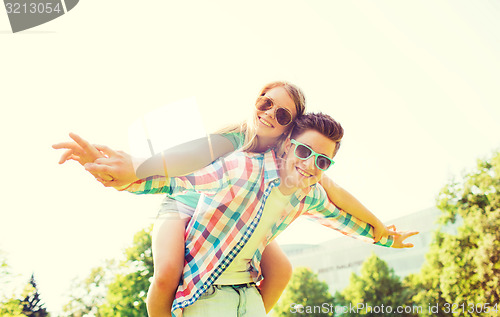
276 102
282 115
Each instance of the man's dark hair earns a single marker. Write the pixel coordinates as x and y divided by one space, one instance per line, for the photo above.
322 123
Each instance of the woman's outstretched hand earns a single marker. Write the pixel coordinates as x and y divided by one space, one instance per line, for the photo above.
80 150
111 168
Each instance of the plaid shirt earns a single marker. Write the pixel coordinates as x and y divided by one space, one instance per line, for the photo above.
234 190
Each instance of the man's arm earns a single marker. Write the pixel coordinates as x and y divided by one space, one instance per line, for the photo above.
209 180
327 214
345 201
349 225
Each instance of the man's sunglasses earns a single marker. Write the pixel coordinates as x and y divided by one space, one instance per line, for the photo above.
304 152
282 115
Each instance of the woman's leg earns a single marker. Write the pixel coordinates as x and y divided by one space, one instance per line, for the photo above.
277 271
168 259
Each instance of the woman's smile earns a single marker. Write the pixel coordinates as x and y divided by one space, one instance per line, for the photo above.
265 122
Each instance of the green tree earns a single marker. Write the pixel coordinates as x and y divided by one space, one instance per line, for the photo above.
425 285
32 303
115 290
305 295
4 269
127 292
88 294
9 305
11 308
376 291
464 268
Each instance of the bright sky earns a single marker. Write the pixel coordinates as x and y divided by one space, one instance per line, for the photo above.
414 84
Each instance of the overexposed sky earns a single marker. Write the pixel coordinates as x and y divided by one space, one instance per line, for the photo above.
414 84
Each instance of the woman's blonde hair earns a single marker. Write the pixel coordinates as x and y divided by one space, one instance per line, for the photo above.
249 127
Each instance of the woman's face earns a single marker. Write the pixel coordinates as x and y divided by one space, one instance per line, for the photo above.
267 126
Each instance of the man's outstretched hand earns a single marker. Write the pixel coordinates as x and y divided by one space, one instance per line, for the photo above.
401 237
118 164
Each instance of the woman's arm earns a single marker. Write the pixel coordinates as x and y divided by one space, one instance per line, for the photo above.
117 168
186 158
345 201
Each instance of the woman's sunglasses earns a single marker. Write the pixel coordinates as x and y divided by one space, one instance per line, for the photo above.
282 115
304 152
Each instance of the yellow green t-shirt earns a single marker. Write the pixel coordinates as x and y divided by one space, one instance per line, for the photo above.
238 271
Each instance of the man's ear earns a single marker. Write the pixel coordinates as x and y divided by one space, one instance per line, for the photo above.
288 145
284 148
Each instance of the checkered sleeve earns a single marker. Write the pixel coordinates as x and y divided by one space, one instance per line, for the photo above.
322 211
149 185
209 180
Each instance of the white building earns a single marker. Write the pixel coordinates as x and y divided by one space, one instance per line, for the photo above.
335 260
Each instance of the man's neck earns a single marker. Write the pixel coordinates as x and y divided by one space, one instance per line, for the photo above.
283 187
264 144
287 191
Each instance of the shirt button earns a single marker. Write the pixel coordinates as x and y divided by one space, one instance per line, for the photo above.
242 244
223 266
204 286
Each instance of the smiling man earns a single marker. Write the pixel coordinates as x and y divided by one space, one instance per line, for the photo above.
248 199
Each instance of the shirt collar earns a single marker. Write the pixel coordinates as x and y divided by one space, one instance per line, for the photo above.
271 165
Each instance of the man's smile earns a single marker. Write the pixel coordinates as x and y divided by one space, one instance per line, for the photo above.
302 172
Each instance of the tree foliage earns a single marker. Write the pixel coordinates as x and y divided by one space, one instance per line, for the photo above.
9 305
126 295
32 302
305 295
11 308
88 294
376 288
4 268
116 290
464 268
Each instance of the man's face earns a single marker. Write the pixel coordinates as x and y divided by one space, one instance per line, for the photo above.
296 173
